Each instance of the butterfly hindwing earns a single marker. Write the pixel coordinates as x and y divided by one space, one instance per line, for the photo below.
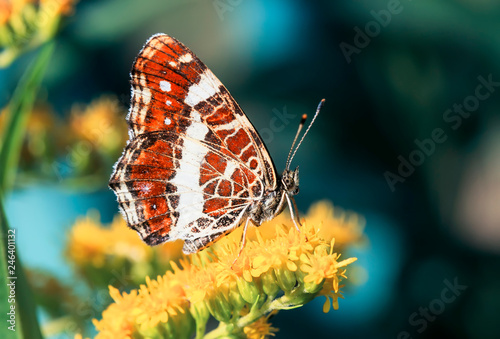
162 204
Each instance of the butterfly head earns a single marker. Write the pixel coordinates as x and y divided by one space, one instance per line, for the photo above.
290 181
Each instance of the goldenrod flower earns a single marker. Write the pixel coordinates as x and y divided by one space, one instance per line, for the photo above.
27 24
120 315
158 307
239 294
83 145
91 243
101 124
333 222
161 300
260 329
97 250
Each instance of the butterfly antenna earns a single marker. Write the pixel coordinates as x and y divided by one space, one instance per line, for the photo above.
289 160
302 123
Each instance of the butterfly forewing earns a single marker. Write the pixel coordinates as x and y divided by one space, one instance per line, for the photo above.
194 163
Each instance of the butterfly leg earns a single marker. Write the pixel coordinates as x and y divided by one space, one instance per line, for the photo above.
242 241
294 212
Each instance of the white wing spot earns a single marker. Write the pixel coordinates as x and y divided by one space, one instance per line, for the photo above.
168 121
165 86
196 116
186 58
173 64
206 87
169 102
231 166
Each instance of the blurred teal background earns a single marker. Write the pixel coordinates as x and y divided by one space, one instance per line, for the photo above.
409 137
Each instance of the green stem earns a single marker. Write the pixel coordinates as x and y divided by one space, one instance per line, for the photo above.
200 328
18 111
295 299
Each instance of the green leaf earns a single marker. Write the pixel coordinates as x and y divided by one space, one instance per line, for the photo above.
18 111
15 294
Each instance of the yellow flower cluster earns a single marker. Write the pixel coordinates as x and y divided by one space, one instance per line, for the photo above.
96 250
278 269
333 222
84 145
100 123
29 23
260 328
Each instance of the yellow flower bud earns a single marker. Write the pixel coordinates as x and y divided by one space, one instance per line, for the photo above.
248 290
285 279
220 307
269 284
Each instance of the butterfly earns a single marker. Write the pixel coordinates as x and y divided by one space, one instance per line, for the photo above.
194 167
